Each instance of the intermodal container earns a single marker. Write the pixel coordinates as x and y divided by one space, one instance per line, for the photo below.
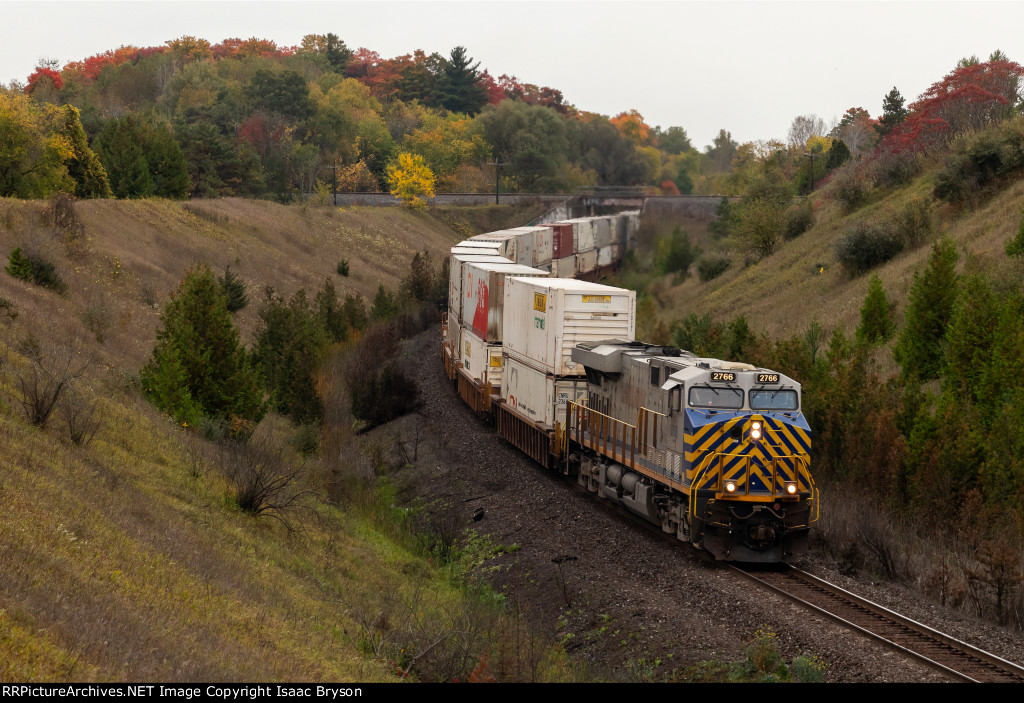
602 231
545 318
538 396
482 361
513 245
541 245
561 241
564 268
456 272
483 296
586 261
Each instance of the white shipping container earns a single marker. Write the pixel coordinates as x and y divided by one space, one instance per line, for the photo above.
582 234
632 222
620 225
604 256
455 274
454 336
564 267
513 245
541 245
545 318
475 251
483 296
482 361
538 396
602 231
618 252
480 244
586 261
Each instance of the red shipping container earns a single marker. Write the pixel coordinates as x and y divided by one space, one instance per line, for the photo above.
562 241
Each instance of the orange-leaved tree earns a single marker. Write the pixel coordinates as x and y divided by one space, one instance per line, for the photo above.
411 180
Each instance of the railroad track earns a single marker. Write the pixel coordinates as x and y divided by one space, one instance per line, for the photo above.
948 654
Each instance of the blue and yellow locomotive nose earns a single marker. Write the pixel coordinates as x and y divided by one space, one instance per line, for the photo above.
752 497
748 457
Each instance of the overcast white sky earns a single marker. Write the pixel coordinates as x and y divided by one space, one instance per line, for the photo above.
749 67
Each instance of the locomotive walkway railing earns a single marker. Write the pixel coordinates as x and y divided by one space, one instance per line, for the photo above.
616 439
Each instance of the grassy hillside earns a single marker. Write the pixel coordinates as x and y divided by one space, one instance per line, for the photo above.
126 558
783 293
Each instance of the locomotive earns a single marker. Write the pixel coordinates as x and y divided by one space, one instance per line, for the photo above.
716 453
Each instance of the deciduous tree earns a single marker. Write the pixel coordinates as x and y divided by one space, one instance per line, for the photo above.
411 181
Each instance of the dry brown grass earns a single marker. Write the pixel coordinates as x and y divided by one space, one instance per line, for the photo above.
134 253
784 293
126 558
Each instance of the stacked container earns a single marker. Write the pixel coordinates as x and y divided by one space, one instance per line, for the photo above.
482 300
510 245
541 244
544 320
456 271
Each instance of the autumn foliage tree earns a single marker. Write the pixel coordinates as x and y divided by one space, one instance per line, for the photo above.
973 96
411 180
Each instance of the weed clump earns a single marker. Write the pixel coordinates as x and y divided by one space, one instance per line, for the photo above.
62 216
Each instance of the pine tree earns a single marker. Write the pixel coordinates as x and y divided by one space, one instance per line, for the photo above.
919 348
330 312
384 306
419 284
876 316
166 160
893 112
355 311
233 289
970 338
121 149
461 89
198 350
289 349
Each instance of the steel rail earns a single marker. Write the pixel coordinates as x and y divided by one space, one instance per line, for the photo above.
929 646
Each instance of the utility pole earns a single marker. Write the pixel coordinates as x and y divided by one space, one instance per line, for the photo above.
497 176
810 155
334 183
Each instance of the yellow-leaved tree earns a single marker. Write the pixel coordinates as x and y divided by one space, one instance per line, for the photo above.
411 180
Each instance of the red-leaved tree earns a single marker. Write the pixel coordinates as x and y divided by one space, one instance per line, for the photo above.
970 98
43 72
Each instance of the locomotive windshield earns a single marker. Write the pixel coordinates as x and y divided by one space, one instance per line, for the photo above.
773 400
710 397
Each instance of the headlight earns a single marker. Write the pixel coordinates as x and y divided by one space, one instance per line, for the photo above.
730 486
755 430
791 488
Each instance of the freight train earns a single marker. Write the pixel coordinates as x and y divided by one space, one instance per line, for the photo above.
716 453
